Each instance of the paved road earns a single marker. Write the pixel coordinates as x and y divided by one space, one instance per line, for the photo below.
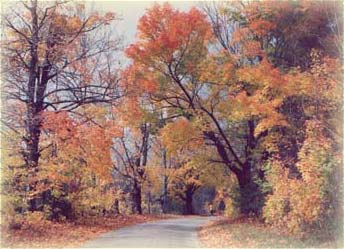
171 233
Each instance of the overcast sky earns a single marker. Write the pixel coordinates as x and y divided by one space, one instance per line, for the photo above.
128 11
131 11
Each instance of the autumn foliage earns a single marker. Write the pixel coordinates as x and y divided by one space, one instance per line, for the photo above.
233 104
264 111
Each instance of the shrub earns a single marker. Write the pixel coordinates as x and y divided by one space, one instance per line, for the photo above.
308 202
232 209
34 218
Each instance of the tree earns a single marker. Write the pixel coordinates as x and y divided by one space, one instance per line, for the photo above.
307 102
158 173
178 64
191 166
75 174
315 169
235 91
49 49
131 155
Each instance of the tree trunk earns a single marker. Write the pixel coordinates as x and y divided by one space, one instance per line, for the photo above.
116 207
137 197
32 154
188 200
250 195
37 84
250 200
145 140
33 125
149 201
164 193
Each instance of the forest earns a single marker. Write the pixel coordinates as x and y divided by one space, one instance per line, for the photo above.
229 108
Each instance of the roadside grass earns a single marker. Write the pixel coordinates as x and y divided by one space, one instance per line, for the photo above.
246 233
49 234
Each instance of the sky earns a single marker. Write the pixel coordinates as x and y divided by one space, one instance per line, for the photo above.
131 11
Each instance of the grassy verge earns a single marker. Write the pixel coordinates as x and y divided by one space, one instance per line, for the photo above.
246 233
67 234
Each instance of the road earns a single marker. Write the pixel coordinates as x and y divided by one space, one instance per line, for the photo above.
171 233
